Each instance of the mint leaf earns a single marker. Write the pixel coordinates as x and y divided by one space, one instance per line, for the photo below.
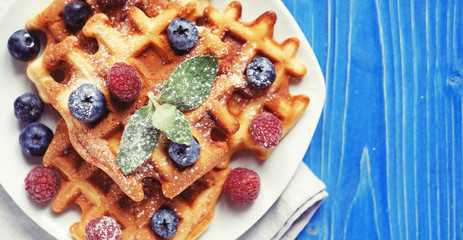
186 89
190 84
164 116
138 140
181 131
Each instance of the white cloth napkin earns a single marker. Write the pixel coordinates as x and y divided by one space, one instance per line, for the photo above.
292 211
285 219
15 224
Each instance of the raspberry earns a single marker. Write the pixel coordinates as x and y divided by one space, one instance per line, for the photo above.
111 3
242 185
103 228
266 129
124 82
41 184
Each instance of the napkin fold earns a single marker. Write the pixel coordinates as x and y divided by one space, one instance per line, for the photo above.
15 224
285 219
292 211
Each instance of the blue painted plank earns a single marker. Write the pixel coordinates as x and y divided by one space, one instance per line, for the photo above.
389 144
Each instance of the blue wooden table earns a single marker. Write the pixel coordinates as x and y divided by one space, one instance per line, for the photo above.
389 142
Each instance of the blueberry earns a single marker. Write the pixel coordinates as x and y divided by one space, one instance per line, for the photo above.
28 107
75 15
165 222
35 139
185 155
87 103
24 45
182 34
260 72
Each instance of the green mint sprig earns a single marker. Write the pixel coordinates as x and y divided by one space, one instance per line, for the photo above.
190 84
138 140
186 89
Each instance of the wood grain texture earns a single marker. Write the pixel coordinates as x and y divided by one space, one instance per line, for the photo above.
389 143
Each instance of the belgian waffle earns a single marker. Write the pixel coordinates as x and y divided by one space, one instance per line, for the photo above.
97 195
135 33
249 40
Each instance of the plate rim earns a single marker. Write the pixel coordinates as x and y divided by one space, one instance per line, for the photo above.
316 109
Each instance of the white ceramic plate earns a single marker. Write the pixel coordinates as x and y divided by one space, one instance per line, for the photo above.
230 221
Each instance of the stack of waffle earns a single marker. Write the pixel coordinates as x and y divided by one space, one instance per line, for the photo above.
84 154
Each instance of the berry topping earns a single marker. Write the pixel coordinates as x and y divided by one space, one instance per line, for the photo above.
103 228
24 45
124 82
242 185
87 103
35 139
182 34
41 184
260 72
111 3
185 155
165 222
28 107
266 129
75 15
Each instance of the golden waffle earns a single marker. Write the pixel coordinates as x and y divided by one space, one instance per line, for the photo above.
249 40
136 34
97 195
144 46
